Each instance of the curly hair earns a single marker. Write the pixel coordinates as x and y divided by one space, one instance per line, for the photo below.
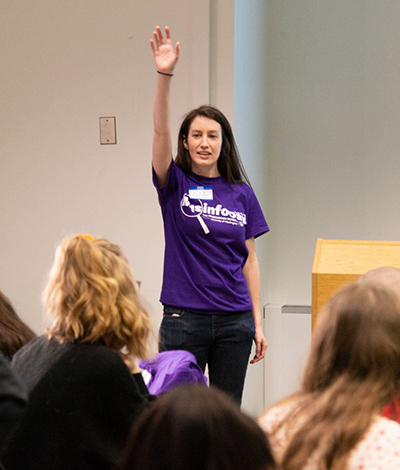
92 295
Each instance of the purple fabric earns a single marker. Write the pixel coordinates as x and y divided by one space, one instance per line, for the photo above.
170 369
203 271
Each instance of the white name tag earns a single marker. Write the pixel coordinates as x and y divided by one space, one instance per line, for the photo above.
204 193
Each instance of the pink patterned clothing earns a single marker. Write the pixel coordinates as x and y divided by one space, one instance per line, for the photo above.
378 450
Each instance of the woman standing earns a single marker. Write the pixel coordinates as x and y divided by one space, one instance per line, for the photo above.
211 217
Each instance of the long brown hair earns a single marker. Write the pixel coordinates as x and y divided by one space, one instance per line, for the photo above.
14 333
352 372
229 163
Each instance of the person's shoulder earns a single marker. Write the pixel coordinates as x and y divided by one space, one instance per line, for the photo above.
97 351
91 364
11 388
242 188
276 414
38 343
35 342
97 356
174 177
248 190
387 426
379 448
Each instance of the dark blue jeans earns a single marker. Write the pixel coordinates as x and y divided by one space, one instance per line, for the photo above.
223 342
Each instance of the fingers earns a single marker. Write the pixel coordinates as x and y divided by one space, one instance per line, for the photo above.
261 348
163 51
158 38
160 35
257 357
254 360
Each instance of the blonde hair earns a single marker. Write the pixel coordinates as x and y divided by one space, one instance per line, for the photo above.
92 295
352 372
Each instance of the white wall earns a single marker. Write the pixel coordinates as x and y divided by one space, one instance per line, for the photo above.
333 132
317 118
250 124
64 64
222 52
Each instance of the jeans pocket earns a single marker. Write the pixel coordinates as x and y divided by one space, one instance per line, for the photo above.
172 334
174 312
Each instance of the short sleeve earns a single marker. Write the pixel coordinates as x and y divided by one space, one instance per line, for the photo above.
256 223
171 184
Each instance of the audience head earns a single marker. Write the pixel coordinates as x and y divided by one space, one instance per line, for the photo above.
352 372
357 339
197 428
385 275
92 295
14 333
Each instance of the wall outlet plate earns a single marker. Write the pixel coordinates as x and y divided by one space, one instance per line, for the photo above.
108 130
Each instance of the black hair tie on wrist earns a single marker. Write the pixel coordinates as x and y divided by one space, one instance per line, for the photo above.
164 73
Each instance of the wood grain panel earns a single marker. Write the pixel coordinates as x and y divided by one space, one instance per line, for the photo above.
338 262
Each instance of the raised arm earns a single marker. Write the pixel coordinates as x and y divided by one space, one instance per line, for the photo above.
165 58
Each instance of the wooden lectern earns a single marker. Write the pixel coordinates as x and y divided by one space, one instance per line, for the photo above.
338 262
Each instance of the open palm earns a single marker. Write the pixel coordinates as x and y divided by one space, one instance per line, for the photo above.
165 56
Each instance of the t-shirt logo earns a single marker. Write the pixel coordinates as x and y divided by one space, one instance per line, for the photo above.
202 210
186 208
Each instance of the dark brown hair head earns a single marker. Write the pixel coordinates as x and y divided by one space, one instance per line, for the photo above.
194 427
14 333
229 162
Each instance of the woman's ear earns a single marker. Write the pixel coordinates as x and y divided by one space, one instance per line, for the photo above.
185 143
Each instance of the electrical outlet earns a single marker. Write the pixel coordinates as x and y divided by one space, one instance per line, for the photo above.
108 131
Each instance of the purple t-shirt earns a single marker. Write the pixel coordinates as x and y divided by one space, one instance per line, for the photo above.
206 224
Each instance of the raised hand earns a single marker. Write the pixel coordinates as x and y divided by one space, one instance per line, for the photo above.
164 54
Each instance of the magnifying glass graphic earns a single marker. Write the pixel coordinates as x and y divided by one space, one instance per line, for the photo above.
185 202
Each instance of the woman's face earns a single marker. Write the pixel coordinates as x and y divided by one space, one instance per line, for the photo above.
204 144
